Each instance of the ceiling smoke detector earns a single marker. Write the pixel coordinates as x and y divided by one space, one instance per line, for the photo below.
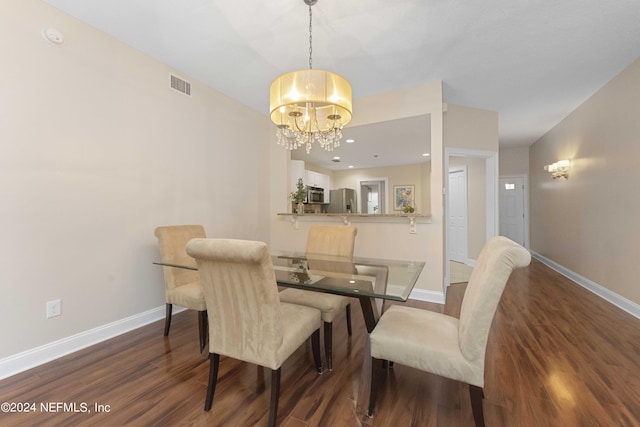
53 36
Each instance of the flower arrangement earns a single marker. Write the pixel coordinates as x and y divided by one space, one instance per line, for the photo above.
408 208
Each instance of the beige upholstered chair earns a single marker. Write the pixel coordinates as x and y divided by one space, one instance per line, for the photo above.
246 319
335 240
182 286
441 344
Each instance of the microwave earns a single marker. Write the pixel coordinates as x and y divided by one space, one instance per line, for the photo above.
315 194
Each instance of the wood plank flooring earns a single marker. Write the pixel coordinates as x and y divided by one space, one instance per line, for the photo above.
557 356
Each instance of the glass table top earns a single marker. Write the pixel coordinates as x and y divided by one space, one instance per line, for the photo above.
358 276
372 277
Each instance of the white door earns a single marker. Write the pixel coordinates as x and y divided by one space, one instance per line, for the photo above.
512 221
457 215
370 192
372 196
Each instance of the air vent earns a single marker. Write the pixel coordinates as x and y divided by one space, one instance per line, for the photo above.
180 85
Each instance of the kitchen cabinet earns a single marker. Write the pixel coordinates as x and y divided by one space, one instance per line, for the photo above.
296 171
309 178
316 179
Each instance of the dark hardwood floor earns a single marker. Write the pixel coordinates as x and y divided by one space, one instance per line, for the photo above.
557 356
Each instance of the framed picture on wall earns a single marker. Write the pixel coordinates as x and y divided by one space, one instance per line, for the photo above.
403 196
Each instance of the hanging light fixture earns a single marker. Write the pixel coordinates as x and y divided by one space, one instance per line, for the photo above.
310 105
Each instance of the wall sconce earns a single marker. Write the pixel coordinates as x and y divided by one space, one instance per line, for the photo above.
559 169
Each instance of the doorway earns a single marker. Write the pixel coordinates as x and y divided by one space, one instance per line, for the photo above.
457 214
373 196
490 197
513 208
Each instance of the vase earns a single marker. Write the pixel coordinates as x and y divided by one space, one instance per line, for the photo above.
300 208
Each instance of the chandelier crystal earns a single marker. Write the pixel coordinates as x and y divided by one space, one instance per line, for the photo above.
310 106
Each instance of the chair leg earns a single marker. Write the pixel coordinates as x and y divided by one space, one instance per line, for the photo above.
328 348
214 360
348 310
167 319
315 347
376 372
275 395
202 328
477 394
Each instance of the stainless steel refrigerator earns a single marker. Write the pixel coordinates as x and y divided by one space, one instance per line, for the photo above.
343 200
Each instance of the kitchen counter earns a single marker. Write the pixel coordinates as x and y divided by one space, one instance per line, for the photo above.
359 215
347 218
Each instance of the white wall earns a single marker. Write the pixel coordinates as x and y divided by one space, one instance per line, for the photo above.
514 161
95 152
470 128
589 222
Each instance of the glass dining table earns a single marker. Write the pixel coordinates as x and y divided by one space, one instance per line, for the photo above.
371 280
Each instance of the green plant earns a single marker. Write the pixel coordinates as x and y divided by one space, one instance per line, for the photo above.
300 194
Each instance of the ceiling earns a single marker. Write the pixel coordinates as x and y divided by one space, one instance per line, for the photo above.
390 143
532 61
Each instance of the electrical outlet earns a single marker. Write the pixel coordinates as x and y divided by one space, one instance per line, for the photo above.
54 308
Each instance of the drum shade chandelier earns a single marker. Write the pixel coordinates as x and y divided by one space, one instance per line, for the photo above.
310 105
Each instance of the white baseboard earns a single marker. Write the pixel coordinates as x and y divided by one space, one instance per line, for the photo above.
20 362
604 293
428 296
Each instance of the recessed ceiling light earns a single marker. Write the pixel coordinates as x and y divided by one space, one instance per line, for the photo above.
336 158
350 166
350 141
425 155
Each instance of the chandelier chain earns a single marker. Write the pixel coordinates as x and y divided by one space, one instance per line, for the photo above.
310 38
